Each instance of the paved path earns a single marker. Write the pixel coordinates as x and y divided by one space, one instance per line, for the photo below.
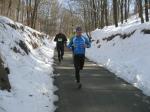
102 91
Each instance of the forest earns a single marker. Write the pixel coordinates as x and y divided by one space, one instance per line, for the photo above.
52 16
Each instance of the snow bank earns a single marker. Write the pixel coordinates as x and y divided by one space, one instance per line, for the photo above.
124 51
28 54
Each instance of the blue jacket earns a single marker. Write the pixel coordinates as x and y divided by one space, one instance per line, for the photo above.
78 44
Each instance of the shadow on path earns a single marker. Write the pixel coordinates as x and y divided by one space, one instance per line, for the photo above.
102 91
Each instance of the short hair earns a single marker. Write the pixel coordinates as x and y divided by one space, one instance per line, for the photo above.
78 29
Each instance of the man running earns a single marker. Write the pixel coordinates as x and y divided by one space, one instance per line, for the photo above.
60 40
79 43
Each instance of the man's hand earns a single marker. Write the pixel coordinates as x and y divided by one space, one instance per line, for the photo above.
65 45
85 46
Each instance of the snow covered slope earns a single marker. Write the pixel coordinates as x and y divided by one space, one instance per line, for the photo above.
28 54
125 51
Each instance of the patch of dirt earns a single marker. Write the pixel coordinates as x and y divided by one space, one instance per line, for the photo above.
24 47
34 45
13 26
41 36
2 25
146 31
98 46
34 34
97 41
111 37
92 40
4 81
2 42
22 28
123 36
16 50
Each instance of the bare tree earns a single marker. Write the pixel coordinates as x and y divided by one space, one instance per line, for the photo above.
140 9
22 11
18 9
9 7
125 10
146 11
28 10
102 13
106 12
49 16
34 13
121 10
115 12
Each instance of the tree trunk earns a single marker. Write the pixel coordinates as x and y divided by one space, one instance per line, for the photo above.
9 7
128 7
18 9
85 21
2 4
22 14
140 10
94 13
121 10
35 20
91 15
146 11
98 13
118 9
115 13
102 13
125 10
149 4
28 12
33 16
88 16
106 12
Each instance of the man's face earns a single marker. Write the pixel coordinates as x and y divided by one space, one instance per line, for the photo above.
79 33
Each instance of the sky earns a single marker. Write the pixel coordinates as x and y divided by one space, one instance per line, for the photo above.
64 2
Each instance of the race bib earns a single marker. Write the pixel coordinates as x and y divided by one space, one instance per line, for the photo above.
59 39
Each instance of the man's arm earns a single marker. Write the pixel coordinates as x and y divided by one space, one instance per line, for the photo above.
55 39
70 43
65 40
88 43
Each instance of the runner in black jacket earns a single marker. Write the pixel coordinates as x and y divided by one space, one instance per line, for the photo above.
60 40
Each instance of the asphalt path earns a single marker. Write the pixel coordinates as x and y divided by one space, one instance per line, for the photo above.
101 90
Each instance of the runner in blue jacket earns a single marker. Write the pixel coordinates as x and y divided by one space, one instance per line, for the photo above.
79 44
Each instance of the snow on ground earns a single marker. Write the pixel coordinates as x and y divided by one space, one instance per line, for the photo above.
128 56
28 54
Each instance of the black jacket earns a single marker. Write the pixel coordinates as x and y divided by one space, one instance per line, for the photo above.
60 40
